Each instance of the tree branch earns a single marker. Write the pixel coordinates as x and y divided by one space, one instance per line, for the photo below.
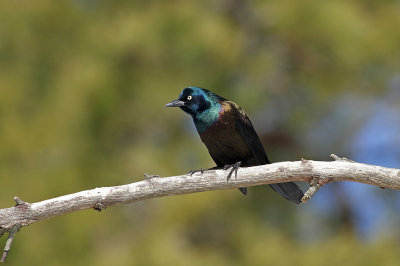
317 173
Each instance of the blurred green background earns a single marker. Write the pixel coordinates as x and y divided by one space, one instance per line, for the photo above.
82 89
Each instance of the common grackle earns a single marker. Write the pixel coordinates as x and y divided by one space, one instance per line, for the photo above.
228 134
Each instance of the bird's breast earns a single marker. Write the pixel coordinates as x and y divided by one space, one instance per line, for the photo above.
225 143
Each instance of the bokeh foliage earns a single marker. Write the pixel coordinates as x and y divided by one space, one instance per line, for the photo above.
82 89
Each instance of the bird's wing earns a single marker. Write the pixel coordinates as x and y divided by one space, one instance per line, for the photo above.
288 190
244 126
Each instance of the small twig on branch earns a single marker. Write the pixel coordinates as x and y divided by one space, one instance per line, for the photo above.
317 173
10 239
314 187
337 158
19 201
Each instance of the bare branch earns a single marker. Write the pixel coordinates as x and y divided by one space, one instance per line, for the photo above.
317 173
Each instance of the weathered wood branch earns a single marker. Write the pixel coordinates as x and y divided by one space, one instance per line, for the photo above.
317 173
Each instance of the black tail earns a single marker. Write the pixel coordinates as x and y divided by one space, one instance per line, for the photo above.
289 191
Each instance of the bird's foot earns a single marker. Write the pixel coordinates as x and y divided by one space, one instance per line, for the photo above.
148 177
191 172
234 169
202 170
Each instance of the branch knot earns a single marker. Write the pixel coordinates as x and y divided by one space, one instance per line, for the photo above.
99 207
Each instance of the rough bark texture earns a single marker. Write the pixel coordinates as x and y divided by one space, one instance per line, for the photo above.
324 172
317 173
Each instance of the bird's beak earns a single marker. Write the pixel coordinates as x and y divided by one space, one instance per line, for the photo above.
175 103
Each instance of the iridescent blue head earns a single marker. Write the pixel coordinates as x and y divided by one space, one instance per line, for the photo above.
203 105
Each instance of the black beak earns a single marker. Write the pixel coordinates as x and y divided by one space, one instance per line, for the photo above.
175 103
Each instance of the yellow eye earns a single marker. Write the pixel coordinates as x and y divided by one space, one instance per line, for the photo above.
189 97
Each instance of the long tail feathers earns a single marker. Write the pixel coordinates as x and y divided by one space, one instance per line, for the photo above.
289 191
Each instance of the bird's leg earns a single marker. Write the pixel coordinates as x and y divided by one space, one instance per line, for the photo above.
191 172
235 168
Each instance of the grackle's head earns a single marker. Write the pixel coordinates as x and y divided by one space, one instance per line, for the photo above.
203 105
195 100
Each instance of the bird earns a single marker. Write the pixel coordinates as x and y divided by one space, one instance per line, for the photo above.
227 132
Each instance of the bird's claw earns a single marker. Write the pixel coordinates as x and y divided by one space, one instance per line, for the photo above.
234 169
147 176
191 172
